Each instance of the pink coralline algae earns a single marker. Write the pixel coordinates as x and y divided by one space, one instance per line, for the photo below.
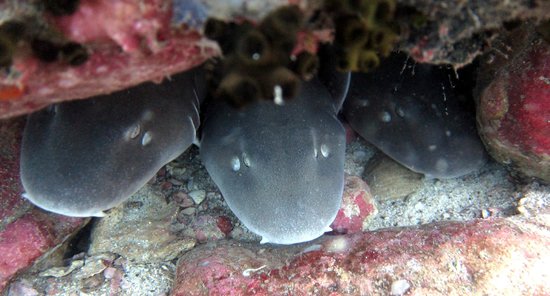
481 257
25 233
132 42
29 237
11 204
357 207
127 23
208 227
514 109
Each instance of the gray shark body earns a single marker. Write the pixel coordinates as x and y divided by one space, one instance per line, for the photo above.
412 113
280 168
83 157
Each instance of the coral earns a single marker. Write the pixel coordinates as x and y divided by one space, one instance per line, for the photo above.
131 55
10 34
61 7
364 32
71 53
544 30
135 41
257 59
128 44
29 237
443 32
16 35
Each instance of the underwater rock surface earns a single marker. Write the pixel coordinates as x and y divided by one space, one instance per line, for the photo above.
25 232
121 72
11 203
437 259
127 42
447 32
514 106
84 157
123 277
279 168
147 40
413 114
357 209
138 230
29 237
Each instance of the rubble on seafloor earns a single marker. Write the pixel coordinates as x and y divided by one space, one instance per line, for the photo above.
397 232
133 250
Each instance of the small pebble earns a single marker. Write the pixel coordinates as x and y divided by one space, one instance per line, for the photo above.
176 182
161 172
166 186
175 171
197 196
182 199
109 272
224 224
399 287
190 184
188 211
62 271
359 155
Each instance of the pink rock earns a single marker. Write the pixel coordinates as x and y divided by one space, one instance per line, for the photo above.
165 186
116 278
126 22
116 58
225 225
357 207
514 108
438 34
29 237
12 205
22 288
351 135
482 257
183 199
26 233
206 228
